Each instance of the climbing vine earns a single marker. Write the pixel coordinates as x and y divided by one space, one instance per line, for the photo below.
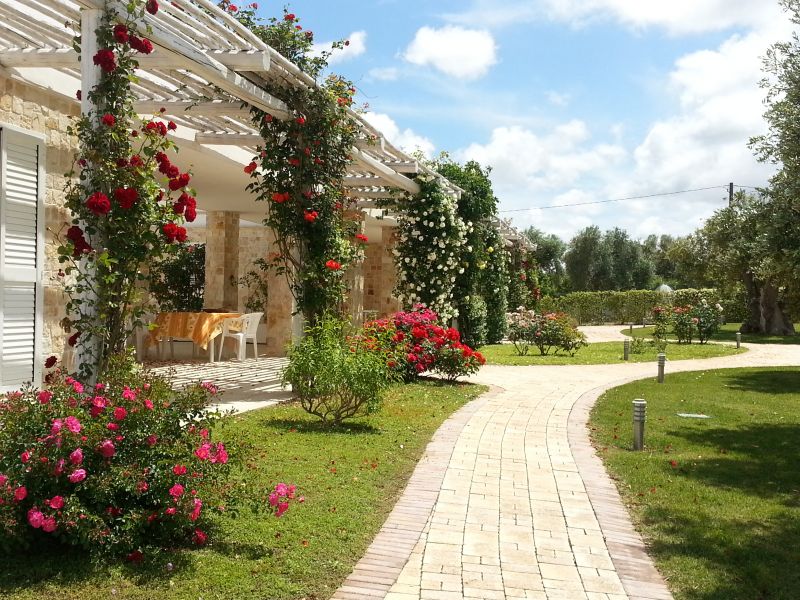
428 250
299 170
127 198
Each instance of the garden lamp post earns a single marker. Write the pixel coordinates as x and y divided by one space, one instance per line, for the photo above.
639 416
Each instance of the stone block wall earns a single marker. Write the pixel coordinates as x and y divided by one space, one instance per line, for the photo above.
380 276
253 243
35 109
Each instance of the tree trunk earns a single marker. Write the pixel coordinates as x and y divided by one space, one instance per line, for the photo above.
765 313
773 319
752 323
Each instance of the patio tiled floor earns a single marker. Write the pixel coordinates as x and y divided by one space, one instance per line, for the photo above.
246 385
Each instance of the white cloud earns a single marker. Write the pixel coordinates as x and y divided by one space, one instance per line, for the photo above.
384 73
455 51
700 142
560 100
677 16
405 139
720 108
356 46
525 163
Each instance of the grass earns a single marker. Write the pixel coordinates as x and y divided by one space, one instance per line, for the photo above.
718 500
601 353
351 478
727 333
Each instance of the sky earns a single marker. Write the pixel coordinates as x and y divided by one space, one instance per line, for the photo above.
568 101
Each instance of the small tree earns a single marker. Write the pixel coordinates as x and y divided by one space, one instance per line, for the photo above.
777 219
178 281
299 170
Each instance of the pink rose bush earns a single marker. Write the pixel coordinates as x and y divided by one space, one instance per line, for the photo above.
154 479
414 342
555 331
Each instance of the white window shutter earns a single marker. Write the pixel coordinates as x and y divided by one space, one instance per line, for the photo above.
21 257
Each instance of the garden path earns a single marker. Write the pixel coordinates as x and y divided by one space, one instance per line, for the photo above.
510 501
603 333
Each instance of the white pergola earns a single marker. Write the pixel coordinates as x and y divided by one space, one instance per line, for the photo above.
206 70
512 235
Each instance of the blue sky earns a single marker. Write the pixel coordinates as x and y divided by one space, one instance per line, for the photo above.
569 101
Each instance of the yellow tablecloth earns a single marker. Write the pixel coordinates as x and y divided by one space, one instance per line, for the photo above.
200 327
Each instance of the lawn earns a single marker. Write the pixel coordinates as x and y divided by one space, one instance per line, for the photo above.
718 500
350 477
727 333
601 353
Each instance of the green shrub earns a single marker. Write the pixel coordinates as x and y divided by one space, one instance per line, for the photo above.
472 321
333 379
178 280
637 345
494 285
705 318
682 325
634 306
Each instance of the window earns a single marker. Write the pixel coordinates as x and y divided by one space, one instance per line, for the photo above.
21 256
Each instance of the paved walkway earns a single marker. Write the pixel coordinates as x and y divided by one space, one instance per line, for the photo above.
510 501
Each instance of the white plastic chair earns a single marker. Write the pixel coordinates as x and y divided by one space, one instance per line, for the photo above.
248 328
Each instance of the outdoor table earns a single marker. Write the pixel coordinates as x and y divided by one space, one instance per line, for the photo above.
199 327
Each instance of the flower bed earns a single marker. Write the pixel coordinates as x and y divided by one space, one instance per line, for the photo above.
115 467
414 342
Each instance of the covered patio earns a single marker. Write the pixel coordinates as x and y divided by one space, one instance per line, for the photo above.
204 74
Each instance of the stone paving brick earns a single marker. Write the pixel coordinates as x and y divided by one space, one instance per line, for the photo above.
510 500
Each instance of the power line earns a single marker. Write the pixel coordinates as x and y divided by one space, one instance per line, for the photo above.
713 187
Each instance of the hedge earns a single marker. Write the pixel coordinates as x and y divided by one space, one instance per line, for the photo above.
633 306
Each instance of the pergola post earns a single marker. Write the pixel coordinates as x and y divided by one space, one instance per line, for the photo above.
222 260
90 77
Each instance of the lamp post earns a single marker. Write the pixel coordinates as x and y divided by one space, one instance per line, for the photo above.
639 417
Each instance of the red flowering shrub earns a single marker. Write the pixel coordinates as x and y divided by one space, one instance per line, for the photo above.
413 342
682 324
114 467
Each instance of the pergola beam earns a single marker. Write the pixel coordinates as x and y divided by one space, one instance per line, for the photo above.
393 178
405 167
229 139
194 108
201 64
382 194
67 58
363 181
376 144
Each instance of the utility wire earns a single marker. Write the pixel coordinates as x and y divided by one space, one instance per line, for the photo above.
713 187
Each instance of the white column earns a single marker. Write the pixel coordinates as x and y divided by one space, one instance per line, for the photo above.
90 73
90 77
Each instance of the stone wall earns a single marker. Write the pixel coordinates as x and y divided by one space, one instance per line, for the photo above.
34 109
254 243
380 276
